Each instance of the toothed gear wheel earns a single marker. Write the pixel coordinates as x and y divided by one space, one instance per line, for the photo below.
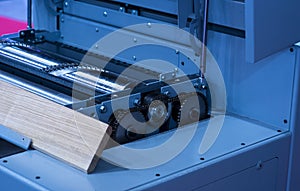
157 113
191 112
128 126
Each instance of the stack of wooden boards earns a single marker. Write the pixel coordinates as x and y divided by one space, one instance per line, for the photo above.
54 129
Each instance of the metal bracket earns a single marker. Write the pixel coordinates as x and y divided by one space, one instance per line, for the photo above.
14 138
169 75
36 36
27 35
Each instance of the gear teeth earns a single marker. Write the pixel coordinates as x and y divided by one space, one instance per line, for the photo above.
18 44
185 98
117 119
75 66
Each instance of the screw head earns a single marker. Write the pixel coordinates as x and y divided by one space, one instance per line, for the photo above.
66 4
167 93
102 109
149 25
137 102
105 14
122 9
134 57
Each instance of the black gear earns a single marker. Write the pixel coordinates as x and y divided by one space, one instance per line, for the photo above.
125 128
188 112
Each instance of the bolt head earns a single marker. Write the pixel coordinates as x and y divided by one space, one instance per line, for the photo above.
102 109
66 4
137 102
105 14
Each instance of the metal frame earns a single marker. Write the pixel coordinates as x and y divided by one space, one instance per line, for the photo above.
187 171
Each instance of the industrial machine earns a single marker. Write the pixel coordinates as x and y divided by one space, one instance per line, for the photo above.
200 95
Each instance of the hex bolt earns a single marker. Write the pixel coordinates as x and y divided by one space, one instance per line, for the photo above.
134 58
102 109
105 14
31 32
22 34
66 4
137 102
149 25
